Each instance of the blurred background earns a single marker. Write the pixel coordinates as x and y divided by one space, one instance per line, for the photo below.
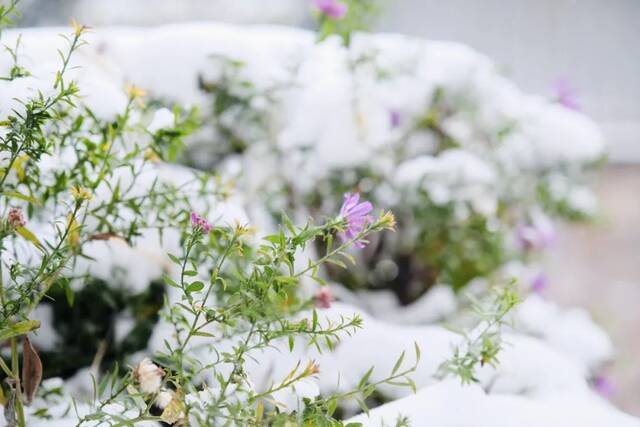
591 44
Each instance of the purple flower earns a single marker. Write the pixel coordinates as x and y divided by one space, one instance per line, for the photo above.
331 8
199 223
395 119
604 386
536 235
539 283
324 297
565 95
357 216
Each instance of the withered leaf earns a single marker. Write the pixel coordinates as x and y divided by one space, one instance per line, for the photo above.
104 236
31 370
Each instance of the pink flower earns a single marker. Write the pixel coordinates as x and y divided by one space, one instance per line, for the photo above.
539 283
15 218
357 216
199 223
324 297
331 8
565 95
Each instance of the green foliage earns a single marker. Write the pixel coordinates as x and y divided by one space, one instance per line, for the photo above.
7 13
240 112
98 156
86 329
247 297
483 343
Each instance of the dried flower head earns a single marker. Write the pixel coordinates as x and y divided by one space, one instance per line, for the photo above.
323 297
148 375
312 368
77 28
15 218
151 156
388 221
135 92
164 398
80 193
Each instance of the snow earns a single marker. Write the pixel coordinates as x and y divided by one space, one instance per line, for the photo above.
448 404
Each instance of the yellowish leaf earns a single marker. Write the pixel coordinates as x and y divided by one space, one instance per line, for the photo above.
28 235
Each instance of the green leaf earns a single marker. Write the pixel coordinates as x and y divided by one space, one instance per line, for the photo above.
398 364
28 235
18 329
203 334
332 404
17 195
68 293
174 259
337 262
365 378
195 287
362 405
169 281
412 384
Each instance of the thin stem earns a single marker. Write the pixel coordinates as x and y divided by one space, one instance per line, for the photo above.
15 367
335 251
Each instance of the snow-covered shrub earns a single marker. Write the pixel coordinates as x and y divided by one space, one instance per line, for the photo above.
474 168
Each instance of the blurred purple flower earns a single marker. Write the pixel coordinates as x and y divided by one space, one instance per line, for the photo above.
199 223
331 8
394 118
539 283
565 95
356 214
537 234
604 386
324 297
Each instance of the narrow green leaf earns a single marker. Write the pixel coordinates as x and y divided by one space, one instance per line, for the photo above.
365 378
398 364
28 235
17 195
19 328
